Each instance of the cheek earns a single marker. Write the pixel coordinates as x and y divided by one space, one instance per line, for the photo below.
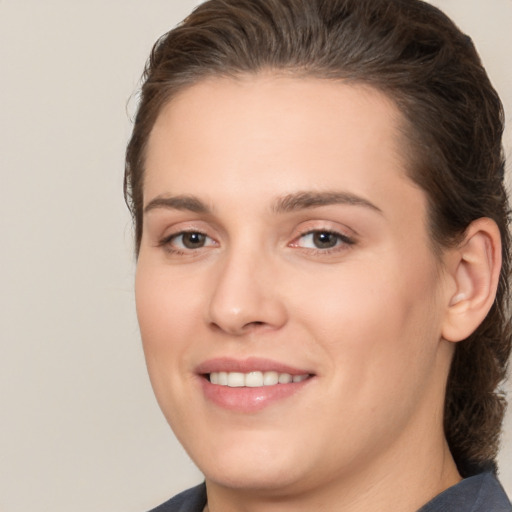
163 304
162 321
374 319
165 314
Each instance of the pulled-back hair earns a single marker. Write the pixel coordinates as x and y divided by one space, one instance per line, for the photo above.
452 134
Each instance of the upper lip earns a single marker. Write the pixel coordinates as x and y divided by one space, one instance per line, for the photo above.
251 364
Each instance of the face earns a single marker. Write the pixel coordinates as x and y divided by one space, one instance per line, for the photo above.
289 301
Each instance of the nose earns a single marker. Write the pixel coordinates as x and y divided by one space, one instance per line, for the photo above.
246 295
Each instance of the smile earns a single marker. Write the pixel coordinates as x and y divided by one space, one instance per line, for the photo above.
254 379
251 385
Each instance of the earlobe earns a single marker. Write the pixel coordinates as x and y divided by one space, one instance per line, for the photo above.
475 269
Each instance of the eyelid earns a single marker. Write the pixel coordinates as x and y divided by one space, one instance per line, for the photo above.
319 225
166 241
346 237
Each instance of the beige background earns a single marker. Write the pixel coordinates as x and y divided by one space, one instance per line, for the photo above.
79 428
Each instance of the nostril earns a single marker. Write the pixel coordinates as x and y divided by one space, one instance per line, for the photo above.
253 325
242 330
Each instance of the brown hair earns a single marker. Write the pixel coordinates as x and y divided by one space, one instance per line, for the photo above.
416 55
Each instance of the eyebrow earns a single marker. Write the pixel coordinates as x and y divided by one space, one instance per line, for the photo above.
305 200
187 203
285 204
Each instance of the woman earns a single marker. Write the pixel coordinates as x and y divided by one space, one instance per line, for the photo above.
323 256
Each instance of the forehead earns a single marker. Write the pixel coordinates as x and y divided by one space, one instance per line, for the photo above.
273 120
238 141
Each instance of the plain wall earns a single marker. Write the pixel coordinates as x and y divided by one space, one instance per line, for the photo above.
79 426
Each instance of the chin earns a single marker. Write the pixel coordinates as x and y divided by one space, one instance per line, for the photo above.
257 468
249 477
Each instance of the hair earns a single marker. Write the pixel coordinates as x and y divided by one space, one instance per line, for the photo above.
453 125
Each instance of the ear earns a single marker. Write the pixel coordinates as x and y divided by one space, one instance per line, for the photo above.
474 266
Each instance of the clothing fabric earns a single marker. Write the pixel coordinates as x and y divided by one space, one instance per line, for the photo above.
191 500
478 493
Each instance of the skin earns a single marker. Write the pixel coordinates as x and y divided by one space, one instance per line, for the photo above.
365 317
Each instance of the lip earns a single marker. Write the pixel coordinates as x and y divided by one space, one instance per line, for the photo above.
245 399
251 364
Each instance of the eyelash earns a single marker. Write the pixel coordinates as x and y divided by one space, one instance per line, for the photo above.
167 242
342 242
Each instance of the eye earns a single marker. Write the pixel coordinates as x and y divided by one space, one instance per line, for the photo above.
188 240
322 240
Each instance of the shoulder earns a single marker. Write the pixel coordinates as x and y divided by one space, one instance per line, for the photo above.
191 500
479 493
491 495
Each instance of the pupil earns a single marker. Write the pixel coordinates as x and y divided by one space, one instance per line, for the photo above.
193 240
325 240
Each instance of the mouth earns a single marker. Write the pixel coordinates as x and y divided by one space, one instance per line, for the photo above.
252 384
254 379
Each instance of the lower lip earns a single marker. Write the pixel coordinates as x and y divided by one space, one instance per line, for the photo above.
247 400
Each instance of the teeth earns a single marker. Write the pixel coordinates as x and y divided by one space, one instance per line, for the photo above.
236 380
285 378
253 379
270 378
